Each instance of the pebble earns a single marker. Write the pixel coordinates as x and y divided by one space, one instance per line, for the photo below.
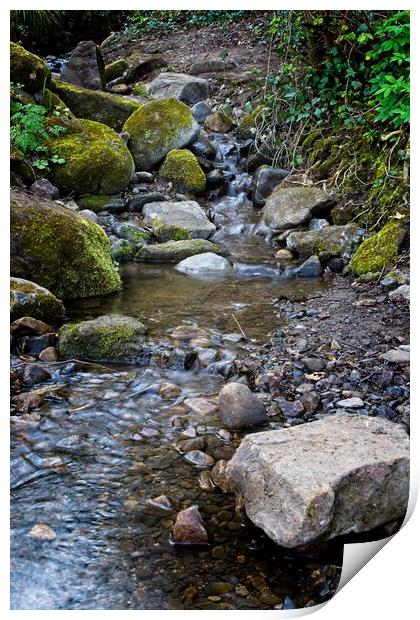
351 403
396 356
42 531
49 355
205 481
149 432
195 443
314 364
200 405
158 506
199 458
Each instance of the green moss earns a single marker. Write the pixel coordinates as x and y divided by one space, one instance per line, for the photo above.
380 251
158 127
182 168
140 90
94 202
106 338
20 169
27 69
123 251
247 126
97 159
94 105
310 139
115 69
66 253
52 102
30 299
169 232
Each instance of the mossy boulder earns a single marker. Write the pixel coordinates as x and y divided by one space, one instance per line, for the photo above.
379 252
123 251
94 202
175 251
66 253
97 159
115 69
247 127
219 122
177 220
182 168
158 127
20 169
111 110
329 242
30 299
27 69
108 338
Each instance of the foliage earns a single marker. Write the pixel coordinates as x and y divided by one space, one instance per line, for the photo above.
28 132
148 21
34 23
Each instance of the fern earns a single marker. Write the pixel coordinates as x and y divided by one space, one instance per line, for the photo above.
27 126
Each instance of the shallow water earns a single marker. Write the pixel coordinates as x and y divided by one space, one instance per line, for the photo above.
105 443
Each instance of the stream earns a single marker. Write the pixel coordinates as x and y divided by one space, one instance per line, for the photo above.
106 443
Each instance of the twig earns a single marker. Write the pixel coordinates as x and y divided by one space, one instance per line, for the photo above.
239 325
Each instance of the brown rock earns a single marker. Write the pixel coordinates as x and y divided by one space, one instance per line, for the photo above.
195 443
169 390
29 325
218 122
200 405
218 475
189 528
49 355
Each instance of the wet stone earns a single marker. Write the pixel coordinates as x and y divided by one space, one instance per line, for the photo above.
34 374
42 531
188 445
200 406
189 527
199 458
49 355
159 506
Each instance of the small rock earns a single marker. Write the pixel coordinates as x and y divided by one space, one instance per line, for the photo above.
49 355
314 364
396 356
169 390
41 531
290 409
199 458
45 189
310 402
311 268
316 224
208 262
218 475
149 432
401 293
89 215
239 407
188 445
34 374
200 406
201 111
351 403
28 325
159 506
205 481
189 528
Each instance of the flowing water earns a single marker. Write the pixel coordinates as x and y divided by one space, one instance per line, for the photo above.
106 442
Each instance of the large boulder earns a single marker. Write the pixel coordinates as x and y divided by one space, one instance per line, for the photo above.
27 69
206 263
108 338
178 220
328 242
175 251
97 160
60 250
345 474
141 64
288 207
30 299
85 67
184 87
158 127
379 252
239 407
111 110
183 170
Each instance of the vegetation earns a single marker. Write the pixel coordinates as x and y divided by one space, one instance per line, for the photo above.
148 21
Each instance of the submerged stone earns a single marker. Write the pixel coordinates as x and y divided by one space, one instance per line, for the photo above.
189 527
205 263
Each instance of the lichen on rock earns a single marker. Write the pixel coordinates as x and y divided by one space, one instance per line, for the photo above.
182 168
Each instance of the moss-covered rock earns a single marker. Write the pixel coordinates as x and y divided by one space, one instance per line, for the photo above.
97 159
380 251
288 207
247 127
158 127
20 169
177 220
27 69
111 110
175 251
182 168
123 251
115 69
30 299
66 253
94 202
107 338
219 122
329 242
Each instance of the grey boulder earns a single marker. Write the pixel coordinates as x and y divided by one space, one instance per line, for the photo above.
205 263
344 474
175 251
288 207
266 178
85 67
329 242
187 88
239 407
178 220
